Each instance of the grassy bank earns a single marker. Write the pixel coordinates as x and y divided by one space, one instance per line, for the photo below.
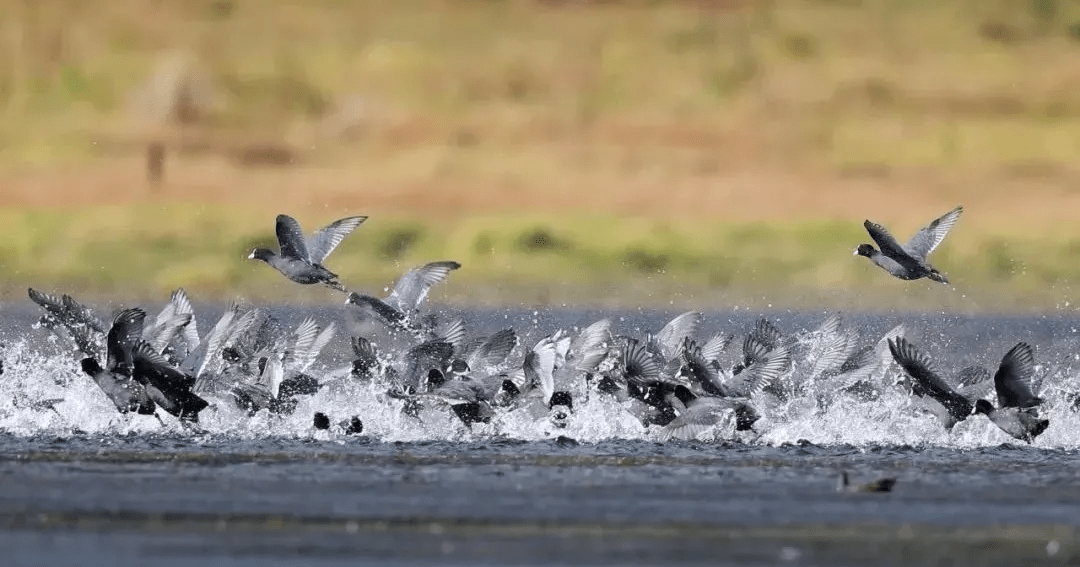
146 251
702 153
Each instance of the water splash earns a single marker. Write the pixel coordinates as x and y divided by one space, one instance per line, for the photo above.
43 391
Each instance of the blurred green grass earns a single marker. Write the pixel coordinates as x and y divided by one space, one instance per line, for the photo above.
143 252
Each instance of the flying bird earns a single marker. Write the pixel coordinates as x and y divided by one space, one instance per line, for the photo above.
301 258
909 261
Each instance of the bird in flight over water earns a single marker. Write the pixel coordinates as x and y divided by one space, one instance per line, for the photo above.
909 261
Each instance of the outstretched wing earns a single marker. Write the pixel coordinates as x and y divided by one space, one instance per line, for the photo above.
124 334
671 337
762 372
761 340
324 241
290 238
888 245
639 366
928 382
926 240
413 287
49 303
1013 378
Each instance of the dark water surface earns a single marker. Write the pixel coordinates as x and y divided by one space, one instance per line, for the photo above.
125 501
76 488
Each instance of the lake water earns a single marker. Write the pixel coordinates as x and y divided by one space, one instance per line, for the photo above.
81 484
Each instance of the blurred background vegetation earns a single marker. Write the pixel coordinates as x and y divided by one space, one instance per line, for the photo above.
610 153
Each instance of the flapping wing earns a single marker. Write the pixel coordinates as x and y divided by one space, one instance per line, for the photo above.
324 241
639 366
492 352
291 238
670 338
190 332
761 373
82 314
762 339
413 287
888 245
701 370
167 325
1013 378
206 355
49 303
973 382
452 332
927 239
539 367
927 381
125 333
712 349
831 353
590 348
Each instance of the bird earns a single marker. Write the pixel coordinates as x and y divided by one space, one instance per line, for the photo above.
700 414
909 261
1016 414
399 309
300 258
950 406
115 378
879 485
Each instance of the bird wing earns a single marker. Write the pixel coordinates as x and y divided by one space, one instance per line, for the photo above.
364 349
831 353
888 245
302 360
671 337
189 332
761 373
539 367
493 351
209 350
323 242
49 303
712 349
125 332
591 346
762 339
640 367
919 367
701 370
82 314
167 325
927 239
1013 378
290 238
413 287
973 382
297 353
452 332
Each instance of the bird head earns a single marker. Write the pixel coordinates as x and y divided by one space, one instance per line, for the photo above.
864 250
